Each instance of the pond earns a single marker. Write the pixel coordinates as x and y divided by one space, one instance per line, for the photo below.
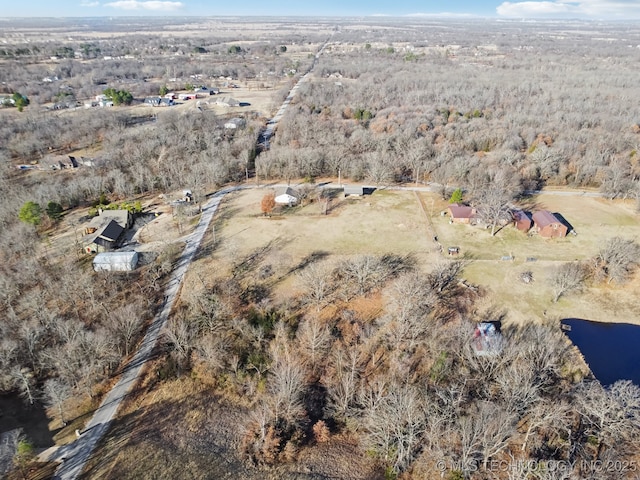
610 349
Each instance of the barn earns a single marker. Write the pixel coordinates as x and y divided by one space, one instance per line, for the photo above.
547 225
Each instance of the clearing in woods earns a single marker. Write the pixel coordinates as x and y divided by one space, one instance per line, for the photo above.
393 222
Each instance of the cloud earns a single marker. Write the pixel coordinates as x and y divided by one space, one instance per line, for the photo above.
145 5
623 9
443 14
86 3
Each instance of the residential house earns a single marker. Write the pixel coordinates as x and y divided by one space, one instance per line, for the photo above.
461 213
521 220
104 231
287 196
547 225
487 339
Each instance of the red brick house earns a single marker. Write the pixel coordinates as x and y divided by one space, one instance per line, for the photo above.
461 213
522 220
548 226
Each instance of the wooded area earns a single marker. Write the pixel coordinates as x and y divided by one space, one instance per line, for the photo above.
377 348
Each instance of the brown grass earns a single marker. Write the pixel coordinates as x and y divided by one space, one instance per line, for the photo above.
178 429
392 222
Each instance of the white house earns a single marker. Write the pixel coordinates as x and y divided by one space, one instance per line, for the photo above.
287 196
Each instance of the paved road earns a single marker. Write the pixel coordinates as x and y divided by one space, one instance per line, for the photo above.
272 124
76 454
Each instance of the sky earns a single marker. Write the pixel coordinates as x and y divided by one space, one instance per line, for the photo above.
594 9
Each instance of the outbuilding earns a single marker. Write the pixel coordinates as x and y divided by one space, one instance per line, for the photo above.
115 261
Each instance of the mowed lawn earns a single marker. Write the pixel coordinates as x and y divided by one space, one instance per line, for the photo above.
385 222
392 222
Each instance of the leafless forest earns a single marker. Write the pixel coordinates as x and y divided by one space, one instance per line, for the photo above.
494 108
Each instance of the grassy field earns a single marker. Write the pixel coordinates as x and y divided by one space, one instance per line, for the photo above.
393 222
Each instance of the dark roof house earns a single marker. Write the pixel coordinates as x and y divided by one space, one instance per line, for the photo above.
104 238
104 231
547 225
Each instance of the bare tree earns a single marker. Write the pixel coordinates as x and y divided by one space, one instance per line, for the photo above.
24 381
493 198
363 270
499 426
286 383
445 274
617 260
342 380
180 335
395 425
518 387
613 414
56 392
566 278
214 350
547 416
125 324
314 339
316 278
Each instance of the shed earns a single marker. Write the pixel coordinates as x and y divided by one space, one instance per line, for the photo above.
548 225
287 196
461 213
521 220
355 190
115 261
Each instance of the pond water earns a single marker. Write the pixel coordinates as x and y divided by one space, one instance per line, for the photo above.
610 349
